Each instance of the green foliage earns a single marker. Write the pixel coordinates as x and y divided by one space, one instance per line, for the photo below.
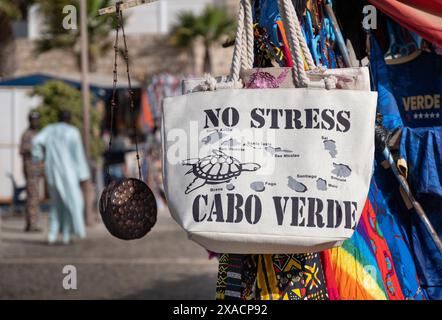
15 9
211 26
57 96
56 37
185 32
10 9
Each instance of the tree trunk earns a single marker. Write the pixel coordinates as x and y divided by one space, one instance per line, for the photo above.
207 59
92 63
192 55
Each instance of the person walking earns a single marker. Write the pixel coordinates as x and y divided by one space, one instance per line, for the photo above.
66 167
33 172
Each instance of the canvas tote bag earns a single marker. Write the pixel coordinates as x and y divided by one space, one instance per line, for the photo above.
275 170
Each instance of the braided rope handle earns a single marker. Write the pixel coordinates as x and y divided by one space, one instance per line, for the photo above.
292 17
294 35
291 36
238 49
248 12
243 56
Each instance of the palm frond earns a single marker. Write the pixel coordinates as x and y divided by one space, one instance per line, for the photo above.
211 25
99 27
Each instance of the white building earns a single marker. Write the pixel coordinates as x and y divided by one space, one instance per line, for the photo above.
159 16
153 18
15 106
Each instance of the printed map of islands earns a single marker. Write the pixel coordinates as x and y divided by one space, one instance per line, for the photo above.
340 170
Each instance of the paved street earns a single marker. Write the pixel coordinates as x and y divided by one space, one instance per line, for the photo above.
163 265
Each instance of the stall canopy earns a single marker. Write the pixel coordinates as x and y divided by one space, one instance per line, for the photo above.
423 17
100 84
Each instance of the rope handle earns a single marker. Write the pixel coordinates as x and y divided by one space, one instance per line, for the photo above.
298 47
243 55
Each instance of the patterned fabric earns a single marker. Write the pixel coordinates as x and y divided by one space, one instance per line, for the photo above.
382 253
290 277
222 277
332 286
363 267
271 277
355 271
355 268
33 173
236 277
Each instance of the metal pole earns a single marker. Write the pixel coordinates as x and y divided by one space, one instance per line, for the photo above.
339 38
85 90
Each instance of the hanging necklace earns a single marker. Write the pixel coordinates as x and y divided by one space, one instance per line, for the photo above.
127 206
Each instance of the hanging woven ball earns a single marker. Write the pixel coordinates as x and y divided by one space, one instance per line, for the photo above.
128 208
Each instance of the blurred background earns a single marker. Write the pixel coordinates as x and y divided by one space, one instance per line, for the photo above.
41 70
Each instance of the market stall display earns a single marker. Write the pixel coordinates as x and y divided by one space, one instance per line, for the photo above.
394 252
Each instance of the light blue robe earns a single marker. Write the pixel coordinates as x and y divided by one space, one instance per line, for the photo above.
60 146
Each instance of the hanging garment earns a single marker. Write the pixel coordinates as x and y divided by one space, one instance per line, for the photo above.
418 241
61 148
146 119
236 277
270 20
162 86
382 252
271 277
417 88
387 105
419 16
363 267
290 277
421 148
395 233
223 262
410 98
331 281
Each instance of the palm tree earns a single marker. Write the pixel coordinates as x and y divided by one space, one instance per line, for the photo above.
211 26
55 37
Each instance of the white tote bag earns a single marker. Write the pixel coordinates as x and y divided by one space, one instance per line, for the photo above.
283 170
